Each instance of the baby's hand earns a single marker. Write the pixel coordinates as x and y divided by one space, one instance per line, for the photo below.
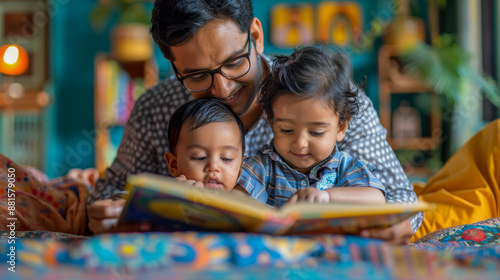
183 179
310 195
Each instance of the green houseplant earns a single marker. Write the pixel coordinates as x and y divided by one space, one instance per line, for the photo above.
445 67
125 11
130 38
443 64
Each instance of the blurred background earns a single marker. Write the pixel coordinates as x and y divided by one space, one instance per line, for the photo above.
70 71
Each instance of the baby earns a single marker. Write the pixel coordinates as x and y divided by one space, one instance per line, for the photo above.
206 141
309 100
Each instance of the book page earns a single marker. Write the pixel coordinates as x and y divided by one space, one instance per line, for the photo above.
341 218
331 210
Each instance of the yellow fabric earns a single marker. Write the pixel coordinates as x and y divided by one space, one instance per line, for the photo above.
466 190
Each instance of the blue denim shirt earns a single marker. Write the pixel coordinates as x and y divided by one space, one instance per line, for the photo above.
268 179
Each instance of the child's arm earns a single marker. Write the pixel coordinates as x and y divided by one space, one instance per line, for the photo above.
356 194
253 179
339 194
352 182
240 191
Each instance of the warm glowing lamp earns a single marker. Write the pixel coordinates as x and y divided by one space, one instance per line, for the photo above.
13 60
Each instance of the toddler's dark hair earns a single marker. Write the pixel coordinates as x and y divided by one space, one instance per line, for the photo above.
200 112
311 72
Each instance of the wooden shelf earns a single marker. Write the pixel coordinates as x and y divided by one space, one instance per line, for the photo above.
420 143
392 81
30 101
23 120
396 88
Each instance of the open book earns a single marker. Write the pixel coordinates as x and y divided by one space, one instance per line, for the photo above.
172 206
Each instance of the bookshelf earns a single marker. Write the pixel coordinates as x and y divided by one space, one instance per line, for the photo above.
117 85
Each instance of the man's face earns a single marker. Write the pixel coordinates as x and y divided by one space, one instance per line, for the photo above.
211 154
214 44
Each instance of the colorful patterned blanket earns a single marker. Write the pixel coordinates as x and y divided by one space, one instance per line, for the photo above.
462 252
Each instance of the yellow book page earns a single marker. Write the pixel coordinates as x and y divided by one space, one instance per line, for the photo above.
347 218
332 210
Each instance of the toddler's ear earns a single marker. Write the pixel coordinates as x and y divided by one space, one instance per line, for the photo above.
341 130
172 164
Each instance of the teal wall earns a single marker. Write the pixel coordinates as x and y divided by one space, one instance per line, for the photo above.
74 45
364 63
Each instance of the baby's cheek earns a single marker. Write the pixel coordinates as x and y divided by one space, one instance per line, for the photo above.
233 179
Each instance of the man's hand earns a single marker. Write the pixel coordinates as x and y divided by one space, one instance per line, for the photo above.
104 214
310 195
183 179
89 176
398 234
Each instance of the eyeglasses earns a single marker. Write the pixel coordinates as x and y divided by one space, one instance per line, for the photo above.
233 69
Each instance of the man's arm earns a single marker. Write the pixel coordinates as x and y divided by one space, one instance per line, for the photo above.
366 138
144 141
136 154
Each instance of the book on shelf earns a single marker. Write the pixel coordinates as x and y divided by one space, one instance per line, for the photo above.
169 205
117 90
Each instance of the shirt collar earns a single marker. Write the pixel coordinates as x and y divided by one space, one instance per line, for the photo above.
331 163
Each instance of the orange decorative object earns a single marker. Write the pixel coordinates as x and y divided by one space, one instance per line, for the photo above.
13 60
405 32
292 25
340 23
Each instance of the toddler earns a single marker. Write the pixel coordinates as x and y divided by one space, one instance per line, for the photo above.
309 100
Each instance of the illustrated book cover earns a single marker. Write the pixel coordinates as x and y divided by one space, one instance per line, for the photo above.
169 205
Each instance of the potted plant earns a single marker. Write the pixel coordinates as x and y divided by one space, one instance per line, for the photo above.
130 39
444 66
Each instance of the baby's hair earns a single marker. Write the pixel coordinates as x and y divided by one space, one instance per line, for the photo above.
200 112
311 72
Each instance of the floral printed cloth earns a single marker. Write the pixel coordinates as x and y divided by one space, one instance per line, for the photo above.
29 202
486 232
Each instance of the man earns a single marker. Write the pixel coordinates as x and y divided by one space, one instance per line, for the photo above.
206 41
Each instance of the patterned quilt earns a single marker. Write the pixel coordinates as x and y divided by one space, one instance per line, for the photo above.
462 252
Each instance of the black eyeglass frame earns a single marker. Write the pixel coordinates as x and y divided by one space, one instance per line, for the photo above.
219 69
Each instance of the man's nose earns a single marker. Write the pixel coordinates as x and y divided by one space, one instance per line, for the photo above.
222 87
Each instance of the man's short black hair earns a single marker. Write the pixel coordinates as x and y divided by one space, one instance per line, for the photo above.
200 112
311 72
174 22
